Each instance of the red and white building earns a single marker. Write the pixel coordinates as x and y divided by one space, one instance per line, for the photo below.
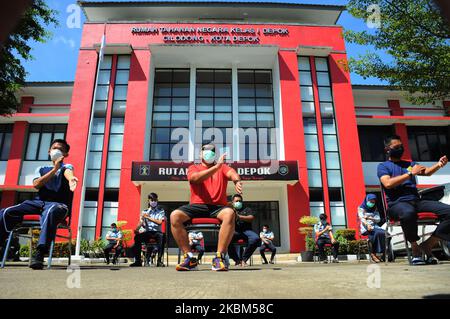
232 65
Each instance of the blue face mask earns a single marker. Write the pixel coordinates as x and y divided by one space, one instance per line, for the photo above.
209 156
237 205
370 204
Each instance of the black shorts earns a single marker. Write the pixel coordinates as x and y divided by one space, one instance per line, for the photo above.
201 210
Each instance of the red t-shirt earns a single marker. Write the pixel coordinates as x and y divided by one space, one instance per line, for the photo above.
212 191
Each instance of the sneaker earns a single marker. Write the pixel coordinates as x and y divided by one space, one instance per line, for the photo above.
219 263
324 261
37 262
137 263
335 261
417 261
432 261
189 263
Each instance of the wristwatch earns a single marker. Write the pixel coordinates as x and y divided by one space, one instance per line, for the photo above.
410 173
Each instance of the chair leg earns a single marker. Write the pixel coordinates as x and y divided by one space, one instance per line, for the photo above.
50 254
8 245
179 255
70 246
31 245
386 245
408 252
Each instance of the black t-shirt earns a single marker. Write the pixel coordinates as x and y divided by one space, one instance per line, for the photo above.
243 225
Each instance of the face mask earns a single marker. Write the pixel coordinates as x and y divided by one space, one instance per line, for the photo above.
323 221
264 230
153 204
55 154
237 205
396 152
209 156
370 204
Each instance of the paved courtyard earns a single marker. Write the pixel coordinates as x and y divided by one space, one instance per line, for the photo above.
290 280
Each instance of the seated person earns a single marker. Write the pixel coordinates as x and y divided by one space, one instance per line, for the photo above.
369 218
195 241
208 182
267 237
243 230
151 220
55 184
114 238
398 178
323 236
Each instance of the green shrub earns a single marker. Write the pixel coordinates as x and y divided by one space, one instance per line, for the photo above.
309 220
24 251
346 233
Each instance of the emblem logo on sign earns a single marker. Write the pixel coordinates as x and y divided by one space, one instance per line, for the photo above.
144 170
283 170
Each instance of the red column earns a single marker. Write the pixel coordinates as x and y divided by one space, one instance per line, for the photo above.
134 135
78 128
294 145
351 163
400 128
14 164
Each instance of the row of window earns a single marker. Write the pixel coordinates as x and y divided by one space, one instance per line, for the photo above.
426 143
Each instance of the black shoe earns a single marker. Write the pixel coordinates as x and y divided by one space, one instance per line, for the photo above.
271 262
114 261
37 262
137 263
265 262
160 264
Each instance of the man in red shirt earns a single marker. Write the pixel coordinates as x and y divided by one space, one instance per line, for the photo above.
208 183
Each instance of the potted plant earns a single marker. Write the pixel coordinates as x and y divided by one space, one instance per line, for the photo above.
307 231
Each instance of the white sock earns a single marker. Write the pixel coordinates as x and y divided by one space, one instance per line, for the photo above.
190 254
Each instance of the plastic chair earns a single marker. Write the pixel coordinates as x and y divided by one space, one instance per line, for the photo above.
423 219
152 242
203 224
242 244
31 222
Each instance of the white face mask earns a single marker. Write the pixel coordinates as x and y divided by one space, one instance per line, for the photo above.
55 154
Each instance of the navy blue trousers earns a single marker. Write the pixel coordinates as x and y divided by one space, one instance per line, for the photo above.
406 213
377 239
252 240
51 214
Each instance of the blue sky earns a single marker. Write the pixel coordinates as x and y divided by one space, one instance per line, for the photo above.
56 59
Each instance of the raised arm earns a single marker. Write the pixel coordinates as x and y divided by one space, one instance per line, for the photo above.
39 182
433 169
234 176
199 177
73 181
392 182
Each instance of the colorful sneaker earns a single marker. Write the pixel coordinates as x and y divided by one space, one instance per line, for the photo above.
417 261
219 263
189 263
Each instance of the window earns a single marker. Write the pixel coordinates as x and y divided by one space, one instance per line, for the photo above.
5 141
213 108
170 111
428 143
316 202
39 139
371 142
256 111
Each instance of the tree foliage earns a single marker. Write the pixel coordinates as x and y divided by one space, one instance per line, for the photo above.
416 39
31 27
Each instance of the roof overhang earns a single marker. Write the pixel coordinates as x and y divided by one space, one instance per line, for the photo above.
219 56
113 11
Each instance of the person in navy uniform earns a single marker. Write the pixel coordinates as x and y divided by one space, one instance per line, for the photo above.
151 226
398 178
114 238
55 184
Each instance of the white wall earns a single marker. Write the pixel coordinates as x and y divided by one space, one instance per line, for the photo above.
442 176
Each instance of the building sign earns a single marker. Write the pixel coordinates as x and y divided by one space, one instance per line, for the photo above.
227 35
169 171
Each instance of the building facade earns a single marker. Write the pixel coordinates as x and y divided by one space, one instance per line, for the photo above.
278 69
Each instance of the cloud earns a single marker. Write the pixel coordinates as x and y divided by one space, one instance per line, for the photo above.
66 41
